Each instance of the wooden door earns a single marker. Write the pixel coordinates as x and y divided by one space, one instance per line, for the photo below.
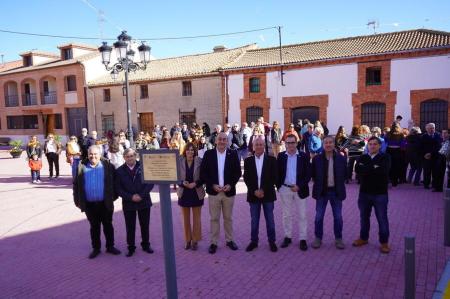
146 122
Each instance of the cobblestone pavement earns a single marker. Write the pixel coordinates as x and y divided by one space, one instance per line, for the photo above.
44 243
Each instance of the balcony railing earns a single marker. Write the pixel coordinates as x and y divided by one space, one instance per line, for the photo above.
29 99
11 100
49 98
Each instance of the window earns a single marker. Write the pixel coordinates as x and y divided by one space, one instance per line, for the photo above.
144 91
434 111
373 114
67 54
46 87
373 76
187 117
27 61
58 121
187 88
22 122
107 123
106 95
254 85
71 83
253 113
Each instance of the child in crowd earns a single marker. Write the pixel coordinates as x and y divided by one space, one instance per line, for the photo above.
35 165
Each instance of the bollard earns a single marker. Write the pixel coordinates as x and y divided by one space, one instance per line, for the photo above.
447 217
410 267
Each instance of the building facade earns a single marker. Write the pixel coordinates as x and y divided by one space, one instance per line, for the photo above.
353 81
46 93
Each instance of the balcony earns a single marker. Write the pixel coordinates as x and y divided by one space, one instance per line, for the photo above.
29 99
11 100
49 98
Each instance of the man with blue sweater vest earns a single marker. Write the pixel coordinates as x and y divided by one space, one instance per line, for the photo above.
93 193
329 170
135 200
373 170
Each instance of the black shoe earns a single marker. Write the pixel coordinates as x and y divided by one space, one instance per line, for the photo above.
251 246
187 245
148 249
56 177
286 242
194 246
212 248
303 245
113 250
426 187
94 254
130 252
232 245
273 247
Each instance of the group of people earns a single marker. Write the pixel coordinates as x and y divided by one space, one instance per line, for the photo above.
277 164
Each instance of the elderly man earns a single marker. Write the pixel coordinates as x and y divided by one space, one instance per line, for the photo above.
260 176
246 133
135 200
93 193
83 142
294 173
220 170
430 144
329 171
216 132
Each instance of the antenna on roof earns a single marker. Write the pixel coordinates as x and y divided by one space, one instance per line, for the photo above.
374 24
2 55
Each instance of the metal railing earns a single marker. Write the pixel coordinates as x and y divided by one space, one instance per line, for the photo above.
49 98
11 100
29 99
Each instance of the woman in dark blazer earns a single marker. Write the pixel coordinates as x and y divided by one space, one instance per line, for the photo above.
190 196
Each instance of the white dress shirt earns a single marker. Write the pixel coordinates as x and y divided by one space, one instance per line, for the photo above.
259 165
221 166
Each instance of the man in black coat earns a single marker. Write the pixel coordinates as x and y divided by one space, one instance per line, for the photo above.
430 144
260 176
135 200
221 170
373 170
294 173
83 142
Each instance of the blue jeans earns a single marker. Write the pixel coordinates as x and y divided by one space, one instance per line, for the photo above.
75 163
35 175
255 212
379 203
336 207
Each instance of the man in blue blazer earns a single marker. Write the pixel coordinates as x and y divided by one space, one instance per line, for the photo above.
294 173
135 200
221 170
329 173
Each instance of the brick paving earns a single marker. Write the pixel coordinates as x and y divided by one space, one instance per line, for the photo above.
44 243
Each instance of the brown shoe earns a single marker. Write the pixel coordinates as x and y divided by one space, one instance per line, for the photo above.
384 248
359 243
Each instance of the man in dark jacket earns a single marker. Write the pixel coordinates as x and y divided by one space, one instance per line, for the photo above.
220 170
83 142
93 193
329 170
373 170
237 139
430 144
260 176
294 173
135 200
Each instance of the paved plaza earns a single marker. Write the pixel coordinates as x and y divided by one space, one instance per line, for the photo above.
44 244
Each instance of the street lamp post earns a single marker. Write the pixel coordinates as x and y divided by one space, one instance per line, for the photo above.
125 62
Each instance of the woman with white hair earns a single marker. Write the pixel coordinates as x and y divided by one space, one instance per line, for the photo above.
315 142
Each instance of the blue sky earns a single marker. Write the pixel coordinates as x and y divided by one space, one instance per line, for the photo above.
301 20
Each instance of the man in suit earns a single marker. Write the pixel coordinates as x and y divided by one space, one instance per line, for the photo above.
373 170
135 200
430 144
93 193
220 170
294 173
260 176
329 170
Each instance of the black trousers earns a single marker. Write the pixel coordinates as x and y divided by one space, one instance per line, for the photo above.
439 172
98 214
144 223
395 173
53 158
431 172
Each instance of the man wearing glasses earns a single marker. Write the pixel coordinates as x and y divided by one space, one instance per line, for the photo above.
221 170
294 173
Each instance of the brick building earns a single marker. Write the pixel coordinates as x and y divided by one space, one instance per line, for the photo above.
356 80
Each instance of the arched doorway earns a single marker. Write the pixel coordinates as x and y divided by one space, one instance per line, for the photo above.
309 112
373 114
253 113
434 111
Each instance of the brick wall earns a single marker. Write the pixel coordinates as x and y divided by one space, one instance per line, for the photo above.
290 103
258 99
418 96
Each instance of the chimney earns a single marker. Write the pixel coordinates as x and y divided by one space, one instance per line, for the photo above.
220 48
